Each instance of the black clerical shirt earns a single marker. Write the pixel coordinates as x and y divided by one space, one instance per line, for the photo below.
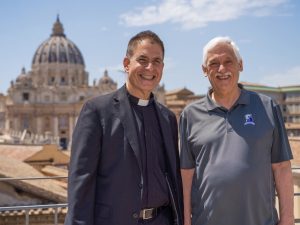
155 190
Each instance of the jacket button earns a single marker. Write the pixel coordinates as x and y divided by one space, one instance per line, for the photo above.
135 215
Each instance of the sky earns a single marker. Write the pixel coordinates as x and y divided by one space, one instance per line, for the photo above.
267 33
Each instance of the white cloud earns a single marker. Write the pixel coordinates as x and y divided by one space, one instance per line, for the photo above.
290 77
192 14
103 28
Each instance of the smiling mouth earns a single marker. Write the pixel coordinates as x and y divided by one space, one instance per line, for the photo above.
223 76
147 77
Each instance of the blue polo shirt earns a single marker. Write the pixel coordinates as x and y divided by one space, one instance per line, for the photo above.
232 152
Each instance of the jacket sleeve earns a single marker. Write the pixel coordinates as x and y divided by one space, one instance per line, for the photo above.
85 154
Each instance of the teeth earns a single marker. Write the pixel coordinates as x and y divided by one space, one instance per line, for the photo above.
149 77
223 76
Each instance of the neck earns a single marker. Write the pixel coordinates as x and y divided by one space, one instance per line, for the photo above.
226 100
145 95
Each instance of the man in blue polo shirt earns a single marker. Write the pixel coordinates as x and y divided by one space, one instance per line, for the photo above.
234 150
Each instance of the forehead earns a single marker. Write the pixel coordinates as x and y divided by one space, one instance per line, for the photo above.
147 46
221 50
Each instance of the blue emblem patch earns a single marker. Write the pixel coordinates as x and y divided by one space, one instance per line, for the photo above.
249 120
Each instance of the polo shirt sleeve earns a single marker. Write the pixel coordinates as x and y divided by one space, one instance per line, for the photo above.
281 150
187 159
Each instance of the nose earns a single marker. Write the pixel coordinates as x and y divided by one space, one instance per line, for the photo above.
149 66
221 68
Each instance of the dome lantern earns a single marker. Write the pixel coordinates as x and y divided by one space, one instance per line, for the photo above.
58 29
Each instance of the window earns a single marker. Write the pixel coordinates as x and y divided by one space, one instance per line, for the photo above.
47 98
63 81
51 80
63 96
25 122
63 121
25 96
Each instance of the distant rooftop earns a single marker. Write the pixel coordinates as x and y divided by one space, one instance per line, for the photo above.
261 87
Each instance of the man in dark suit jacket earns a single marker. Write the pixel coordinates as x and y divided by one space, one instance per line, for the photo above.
124 166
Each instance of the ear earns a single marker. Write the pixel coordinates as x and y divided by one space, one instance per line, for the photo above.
204 69
126 62
241 65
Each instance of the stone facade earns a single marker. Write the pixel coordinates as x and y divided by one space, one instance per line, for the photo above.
47 99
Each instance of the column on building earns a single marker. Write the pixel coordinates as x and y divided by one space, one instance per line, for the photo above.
7 125
39 125
17 123
71 128
55 126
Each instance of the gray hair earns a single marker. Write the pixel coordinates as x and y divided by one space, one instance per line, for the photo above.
217 40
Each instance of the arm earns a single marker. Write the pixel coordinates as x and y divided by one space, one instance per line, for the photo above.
284 187
187 179
85 155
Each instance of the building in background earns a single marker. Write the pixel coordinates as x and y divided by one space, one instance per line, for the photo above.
2 112
47 99
42 105
177 99
289 99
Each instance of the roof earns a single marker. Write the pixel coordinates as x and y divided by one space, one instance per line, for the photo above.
45 188
35 153
260 87
55 171
19 152
183 91
49 153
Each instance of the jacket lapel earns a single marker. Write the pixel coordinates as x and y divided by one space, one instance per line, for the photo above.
124 112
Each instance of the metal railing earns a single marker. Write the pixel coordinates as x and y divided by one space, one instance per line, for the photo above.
55 207
28 208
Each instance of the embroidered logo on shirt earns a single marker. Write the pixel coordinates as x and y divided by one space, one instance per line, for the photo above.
249 120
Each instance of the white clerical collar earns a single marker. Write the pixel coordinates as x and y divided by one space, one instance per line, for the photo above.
142 102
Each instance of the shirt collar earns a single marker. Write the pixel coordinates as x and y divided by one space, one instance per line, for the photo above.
140 102
244 99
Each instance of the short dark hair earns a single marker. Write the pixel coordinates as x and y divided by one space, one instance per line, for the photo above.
147 34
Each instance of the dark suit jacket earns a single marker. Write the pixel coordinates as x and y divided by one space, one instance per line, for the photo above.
105 179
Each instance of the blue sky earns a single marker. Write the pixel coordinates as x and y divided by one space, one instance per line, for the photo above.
266 31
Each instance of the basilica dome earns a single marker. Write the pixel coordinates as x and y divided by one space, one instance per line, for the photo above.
57 49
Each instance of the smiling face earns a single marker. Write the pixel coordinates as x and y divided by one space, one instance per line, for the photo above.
144 68
222 69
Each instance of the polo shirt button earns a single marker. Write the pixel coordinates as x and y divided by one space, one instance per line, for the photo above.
135 216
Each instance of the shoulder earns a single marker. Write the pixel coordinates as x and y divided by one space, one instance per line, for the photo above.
165 109
195 107
257 98
103 99
105 102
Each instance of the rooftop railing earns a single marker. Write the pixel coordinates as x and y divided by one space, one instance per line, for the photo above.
33 214
58 211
